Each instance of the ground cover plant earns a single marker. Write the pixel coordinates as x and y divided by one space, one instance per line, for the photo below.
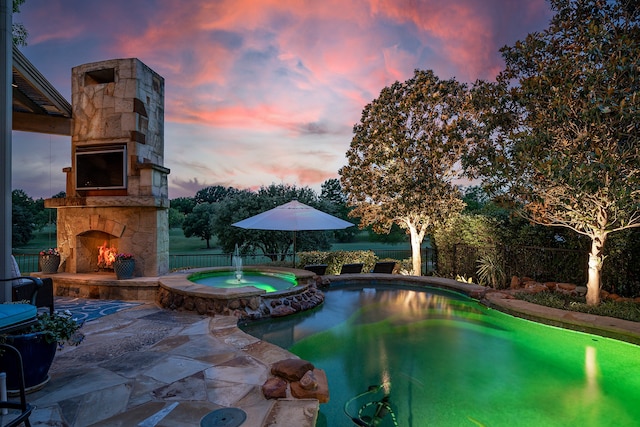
627 310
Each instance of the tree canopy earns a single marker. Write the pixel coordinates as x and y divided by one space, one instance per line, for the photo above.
562 127
199 222
213 194
275 244
403 157
18 30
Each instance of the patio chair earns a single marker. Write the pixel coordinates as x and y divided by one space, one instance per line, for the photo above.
13 318
355 268
319 269
385 267
37 291
18 410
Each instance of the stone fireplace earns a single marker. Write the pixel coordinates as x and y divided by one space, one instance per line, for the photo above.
117 190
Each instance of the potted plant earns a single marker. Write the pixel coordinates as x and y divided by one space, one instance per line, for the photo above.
49 260
124 265
37 346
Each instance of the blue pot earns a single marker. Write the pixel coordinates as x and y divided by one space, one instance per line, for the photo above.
37 357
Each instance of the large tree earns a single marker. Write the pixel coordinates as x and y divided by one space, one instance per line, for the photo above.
335 203
274 244
18 30
213 194
26 217
199 222
562 124
403 157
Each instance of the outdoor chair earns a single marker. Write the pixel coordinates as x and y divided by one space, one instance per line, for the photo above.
18 410
351 268
13 318
319 269
385 267
37 291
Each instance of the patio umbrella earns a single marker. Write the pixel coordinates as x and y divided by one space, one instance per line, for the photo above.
293 216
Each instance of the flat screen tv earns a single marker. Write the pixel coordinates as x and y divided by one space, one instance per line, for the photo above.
101 168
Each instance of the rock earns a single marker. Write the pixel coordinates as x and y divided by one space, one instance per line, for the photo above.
291 369
275 388
309 381
515 282
566 286
581 290
283 310
550 285
201 305
254 303
534 288
321 392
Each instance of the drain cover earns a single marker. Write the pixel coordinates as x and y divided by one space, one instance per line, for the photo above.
224 417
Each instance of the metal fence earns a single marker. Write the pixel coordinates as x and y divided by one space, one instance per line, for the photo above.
29 262
539 263
179 261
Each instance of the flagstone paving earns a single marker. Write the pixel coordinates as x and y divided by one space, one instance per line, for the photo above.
149 367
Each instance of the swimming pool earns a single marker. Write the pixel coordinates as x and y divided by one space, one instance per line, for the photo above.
433 357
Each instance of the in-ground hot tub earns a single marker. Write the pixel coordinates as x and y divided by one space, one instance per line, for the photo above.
265 280
178 291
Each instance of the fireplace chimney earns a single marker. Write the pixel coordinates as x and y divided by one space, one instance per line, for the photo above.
117 189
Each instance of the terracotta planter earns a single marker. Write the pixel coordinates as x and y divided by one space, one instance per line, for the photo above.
37 356
49 263
124 268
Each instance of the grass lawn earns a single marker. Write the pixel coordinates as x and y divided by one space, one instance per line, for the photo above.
178 244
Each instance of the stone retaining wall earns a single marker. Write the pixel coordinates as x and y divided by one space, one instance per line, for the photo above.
276 304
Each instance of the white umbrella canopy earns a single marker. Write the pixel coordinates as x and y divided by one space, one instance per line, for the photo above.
293 216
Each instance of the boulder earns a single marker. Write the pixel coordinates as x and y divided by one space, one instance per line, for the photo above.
535 287
566 286
291 369
283 310
275 388
321 392
515 282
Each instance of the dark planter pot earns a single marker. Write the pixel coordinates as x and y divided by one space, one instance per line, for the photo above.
49 263
124 268
37 357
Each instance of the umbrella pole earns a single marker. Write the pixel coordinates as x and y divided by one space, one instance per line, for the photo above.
294 248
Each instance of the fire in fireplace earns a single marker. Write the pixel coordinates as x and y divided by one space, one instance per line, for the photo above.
106 256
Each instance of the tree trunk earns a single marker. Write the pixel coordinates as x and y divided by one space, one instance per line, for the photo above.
595 269
416 254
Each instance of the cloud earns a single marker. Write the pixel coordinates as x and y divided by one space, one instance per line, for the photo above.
262 91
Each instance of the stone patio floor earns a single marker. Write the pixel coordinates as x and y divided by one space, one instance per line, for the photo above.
146 366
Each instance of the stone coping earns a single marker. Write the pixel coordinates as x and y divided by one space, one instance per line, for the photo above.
610 327
469 289
179 282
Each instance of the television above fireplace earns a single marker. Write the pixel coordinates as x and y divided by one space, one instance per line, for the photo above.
99 168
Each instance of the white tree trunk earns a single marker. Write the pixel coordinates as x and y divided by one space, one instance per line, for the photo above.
416 254
595 267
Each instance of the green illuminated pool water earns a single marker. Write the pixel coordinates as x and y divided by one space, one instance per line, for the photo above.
444 360
270 282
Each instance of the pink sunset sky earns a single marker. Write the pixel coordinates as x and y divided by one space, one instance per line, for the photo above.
260 91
